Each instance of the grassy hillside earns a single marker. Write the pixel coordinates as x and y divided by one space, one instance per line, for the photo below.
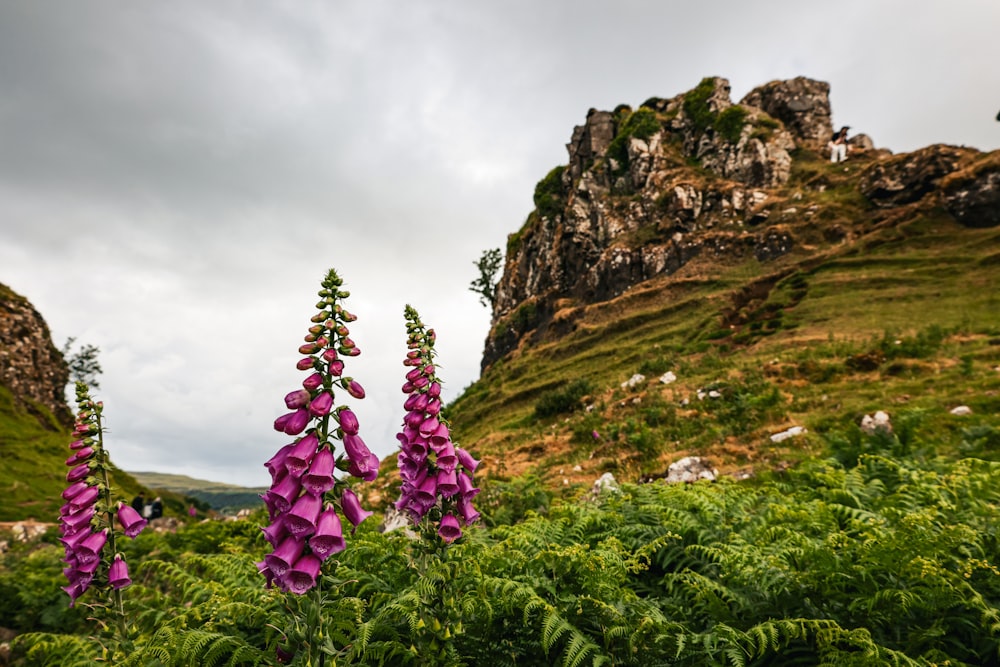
34 448
220 497
895 310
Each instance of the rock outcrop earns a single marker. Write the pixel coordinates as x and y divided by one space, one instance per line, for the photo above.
802 104
30 365
696 180
906 178
972 195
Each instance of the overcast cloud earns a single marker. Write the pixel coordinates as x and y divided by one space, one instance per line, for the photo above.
176 177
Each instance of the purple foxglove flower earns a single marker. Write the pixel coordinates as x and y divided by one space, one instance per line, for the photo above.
85 498
356 448
79 519
279 497
79 456
89 549
434 390
446 459
465 486
421 382
355 389
352 509
336 367
433 407
412 362
329 355
366 469
296 399
305 363
118 573
465 460
468 512
302 576
428 426
309 348
313 382
348 421
416 448
329 536
414 374
284 555
75 590
282 421
411 402
347 344
130 520
321 405
298 459
449 531
74 489
408 387
78 473
275 533
427 491
440 436
447 483
276 464
77 444
266 571
301 519
413 419
297 422
319 479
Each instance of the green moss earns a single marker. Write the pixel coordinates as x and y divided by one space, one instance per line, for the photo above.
641 124
730 122
550 194
696 105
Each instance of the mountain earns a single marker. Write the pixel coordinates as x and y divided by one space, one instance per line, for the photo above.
216 495
717 242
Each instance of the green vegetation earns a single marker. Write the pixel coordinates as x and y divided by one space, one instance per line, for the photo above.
641 124
550 194
886 561
728 123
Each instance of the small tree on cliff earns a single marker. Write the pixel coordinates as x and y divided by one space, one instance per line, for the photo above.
486 284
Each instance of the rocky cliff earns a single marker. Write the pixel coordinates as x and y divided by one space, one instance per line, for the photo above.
31 367
696 181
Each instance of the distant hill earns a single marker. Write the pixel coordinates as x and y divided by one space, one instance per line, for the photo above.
221 497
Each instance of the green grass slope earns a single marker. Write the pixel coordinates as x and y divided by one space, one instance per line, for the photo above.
895 310
34 448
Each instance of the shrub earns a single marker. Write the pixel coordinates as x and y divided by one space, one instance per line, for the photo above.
562 400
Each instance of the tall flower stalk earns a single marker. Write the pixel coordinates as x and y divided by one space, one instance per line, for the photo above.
307 503
437 475
91 521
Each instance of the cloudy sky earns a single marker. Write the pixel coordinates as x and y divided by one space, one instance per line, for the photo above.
176 177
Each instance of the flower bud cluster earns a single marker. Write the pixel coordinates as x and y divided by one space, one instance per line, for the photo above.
436 474
85 519
304 496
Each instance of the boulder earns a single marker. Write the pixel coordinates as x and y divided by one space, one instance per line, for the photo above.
802 104
879 422
788 433
906 178
961 411
973 196
690 469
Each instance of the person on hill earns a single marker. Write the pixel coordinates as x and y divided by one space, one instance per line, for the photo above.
838 145
138 503
156 509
